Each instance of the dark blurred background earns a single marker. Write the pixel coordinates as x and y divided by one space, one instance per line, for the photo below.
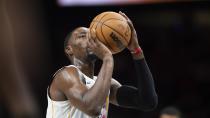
175 37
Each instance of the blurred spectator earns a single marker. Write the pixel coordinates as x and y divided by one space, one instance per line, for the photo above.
14 90
170 112
23 52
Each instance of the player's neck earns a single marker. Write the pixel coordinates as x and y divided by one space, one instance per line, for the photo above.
88 70
85 66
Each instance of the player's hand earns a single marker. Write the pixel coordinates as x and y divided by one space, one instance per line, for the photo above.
97 48
133 44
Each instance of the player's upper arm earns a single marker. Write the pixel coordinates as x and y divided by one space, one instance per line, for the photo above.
113 91
70 84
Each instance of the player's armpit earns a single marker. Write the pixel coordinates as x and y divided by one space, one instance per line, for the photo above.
69 83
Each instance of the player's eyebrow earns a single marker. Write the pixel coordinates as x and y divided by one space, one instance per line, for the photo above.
83 32
80 33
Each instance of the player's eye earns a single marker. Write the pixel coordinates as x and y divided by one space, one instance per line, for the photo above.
82 36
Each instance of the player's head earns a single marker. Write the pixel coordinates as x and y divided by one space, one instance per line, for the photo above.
170 112
76 44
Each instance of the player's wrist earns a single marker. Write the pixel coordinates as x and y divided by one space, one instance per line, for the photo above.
133 47
138 55
135 50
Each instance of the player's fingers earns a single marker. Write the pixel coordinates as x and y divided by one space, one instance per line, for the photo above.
94 35
128 19
130 24
95 38
91 41
89 44
120 12
90 48
89 36
123 14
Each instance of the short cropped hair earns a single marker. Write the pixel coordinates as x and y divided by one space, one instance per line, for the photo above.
67 39
171 111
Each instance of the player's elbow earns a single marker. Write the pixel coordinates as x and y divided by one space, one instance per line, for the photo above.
94 111
149 105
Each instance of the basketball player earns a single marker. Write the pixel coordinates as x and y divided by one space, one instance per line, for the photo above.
76 93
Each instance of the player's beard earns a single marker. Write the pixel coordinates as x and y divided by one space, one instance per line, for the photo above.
90 56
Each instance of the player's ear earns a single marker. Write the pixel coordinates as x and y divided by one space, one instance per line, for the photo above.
69 50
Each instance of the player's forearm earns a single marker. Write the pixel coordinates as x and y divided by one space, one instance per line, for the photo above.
104 78
144 96
99 92
146 87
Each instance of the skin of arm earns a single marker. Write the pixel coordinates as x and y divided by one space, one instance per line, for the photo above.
90 101
87 100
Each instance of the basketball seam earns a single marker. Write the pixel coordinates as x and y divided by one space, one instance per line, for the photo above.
103 34
106 40
93 24
100 20
115 19
111 28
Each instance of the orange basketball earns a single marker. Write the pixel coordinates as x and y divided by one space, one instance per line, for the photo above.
112 30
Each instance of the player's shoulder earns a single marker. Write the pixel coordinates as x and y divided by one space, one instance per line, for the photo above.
67 73
65 78
70 69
